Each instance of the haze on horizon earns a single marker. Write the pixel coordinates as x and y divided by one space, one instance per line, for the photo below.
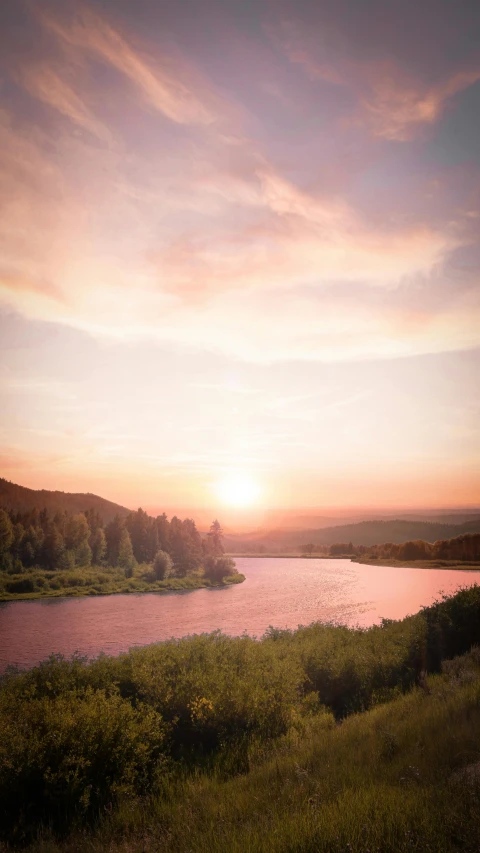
240 252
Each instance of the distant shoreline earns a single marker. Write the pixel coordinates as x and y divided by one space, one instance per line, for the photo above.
453 565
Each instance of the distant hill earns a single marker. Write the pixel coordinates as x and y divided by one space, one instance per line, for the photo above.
363 533
21 499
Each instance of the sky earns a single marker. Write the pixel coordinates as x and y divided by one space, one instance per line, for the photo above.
240 251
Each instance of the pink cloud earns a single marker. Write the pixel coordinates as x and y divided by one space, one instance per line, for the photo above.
396 107
166 87
48 84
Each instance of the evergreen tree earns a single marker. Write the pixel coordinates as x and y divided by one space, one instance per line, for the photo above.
126 560
113 533
215 539
98 544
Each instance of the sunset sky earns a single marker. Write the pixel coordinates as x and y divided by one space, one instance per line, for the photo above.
240 251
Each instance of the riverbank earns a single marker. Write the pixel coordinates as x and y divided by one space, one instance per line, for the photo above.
453 565
36 585
325 738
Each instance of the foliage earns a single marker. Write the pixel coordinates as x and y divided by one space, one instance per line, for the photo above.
34 541
217 568
162 565
66 754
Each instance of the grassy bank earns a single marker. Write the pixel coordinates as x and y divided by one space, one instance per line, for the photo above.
457 565
401 777
39 583
182 745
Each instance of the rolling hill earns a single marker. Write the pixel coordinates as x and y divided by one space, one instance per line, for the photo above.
21 499
362 533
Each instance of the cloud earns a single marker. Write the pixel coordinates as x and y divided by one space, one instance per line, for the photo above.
207 238
391 103
396 107
163 85
47 83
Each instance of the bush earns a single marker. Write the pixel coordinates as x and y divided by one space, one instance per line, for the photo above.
68 755
162 565
216 568
21 585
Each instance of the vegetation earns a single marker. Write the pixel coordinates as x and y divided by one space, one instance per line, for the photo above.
214 743
22 500
69 554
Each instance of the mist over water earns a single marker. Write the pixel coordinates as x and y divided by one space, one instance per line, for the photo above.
282 592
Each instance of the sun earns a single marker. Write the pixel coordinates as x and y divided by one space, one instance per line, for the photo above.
238 490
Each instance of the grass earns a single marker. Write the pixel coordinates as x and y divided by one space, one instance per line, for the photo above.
391 780
39 583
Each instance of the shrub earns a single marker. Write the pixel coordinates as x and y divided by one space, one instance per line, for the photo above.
69 755
20 585
162 565
216 568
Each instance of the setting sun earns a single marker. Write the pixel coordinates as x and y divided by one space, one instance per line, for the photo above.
238 490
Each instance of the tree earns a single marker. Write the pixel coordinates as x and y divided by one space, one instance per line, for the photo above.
137 524
215 539
6 532
76 539
113 533
217 568
163 531
162 565
53 549
32 545
98 544
126 560
185 546
309 548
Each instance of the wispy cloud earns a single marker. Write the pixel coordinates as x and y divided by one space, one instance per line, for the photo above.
167 88
397 107
46 82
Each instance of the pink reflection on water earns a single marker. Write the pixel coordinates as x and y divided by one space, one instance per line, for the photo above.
283 592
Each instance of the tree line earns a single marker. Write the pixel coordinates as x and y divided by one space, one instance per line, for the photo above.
65 541
465 548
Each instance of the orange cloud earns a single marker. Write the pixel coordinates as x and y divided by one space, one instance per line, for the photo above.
49 85
396 107
158 80
391 103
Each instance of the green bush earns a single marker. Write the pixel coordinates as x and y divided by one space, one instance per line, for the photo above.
66 756
217 568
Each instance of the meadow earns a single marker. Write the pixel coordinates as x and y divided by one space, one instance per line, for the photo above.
324 738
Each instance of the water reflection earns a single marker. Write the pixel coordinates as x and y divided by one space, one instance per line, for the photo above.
282 592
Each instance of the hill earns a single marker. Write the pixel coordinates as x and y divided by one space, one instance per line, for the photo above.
362 533
21 499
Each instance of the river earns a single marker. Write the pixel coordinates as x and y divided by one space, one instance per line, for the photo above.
282 592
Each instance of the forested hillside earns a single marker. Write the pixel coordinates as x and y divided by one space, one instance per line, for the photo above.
21 499
368 533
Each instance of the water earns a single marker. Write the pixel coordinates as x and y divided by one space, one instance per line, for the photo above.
283 592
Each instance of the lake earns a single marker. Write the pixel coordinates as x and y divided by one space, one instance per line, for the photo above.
282 592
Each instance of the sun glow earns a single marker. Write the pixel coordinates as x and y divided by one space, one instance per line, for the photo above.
238 490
